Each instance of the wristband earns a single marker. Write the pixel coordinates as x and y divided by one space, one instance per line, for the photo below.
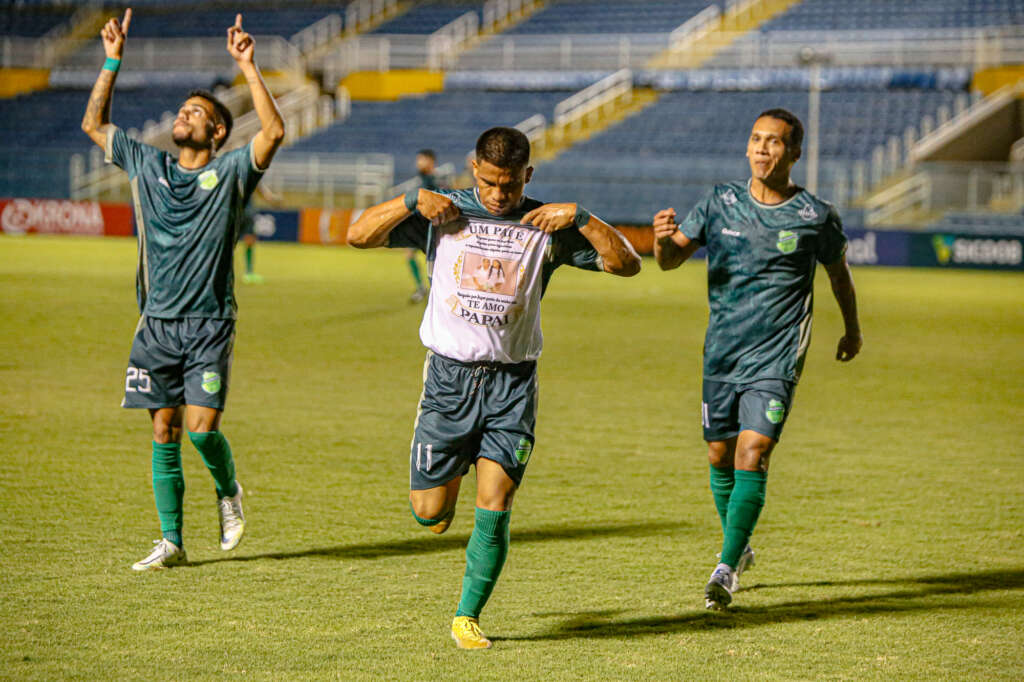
112 64
411 199
582 216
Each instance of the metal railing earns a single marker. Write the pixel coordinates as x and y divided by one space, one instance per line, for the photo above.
565 51
974 47
317 34
360 13
497 12
304 110
365 177
183 54
445 174
696 27
911 194
571 111
950 186
444 44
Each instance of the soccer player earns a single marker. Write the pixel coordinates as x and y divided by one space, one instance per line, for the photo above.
426 161
479 397
247 234
763 239
187 211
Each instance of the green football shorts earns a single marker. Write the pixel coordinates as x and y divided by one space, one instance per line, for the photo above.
472 410
184 361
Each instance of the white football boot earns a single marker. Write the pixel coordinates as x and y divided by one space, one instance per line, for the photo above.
717 593
745 562
164 555
232 520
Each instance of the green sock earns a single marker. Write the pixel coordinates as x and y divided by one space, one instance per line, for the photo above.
248 259
485 555
168 489
216 453
745 506
722 481
415 268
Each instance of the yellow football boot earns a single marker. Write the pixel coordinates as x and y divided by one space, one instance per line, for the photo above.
467 635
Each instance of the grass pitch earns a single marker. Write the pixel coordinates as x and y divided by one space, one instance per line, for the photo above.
890 547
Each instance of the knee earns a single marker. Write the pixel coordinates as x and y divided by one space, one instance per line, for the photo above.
719 455
753 457
165 432
495 500
427 510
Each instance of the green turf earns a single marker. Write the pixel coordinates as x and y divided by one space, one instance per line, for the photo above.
890 546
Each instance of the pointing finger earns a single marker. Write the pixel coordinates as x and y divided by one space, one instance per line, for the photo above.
127 20
238 21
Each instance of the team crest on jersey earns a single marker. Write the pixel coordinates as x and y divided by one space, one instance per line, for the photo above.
208 180
808 212
211 382
729 197
787 241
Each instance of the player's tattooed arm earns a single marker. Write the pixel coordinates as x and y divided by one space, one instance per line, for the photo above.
846 296
242 48
617 254
671 247
375 223
97 111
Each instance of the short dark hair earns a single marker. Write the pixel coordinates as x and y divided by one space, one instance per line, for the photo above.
796 133
223 113
503 147
429 153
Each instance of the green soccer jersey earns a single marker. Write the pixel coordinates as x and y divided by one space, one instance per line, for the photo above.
188 223
761 260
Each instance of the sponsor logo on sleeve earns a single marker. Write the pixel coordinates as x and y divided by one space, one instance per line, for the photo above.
729 197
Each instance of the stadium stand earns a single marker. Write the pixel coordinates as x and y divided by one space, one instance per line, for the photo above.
213 22
980 223
603 16
866 15
669 153
446 122
31 22
34 162
426 18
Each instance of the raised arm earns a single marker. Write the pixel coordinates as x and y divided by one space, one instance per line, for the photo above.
617 254
375 223
269 138
842 288
97 111
671 247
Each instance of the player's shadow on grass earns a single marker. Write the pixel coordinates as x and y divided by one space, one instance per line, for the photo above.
428 543
905 595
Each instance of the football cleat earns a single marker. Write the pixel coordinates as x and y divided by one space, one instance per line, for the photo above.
164 555
467 635
418 295
443 525
745 562
717 593
232 520
252 278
